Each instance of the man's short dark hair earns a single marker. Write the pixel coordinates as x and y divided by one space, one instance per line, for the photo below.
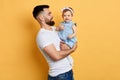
39 9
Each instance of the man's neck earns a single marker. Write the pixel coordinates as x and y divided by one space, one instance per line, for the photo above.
45 26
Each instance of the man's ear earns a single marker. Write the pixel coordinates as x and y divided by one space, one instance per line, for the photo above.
40 17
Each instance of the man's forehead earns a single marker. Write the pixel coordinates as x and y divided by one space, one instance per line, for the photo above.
46 10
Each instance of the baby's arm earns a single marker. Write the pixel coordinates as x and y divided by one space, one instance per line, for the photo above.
74 32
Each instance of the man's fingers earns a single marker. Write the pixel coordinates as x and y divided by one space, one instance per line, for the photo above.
62 42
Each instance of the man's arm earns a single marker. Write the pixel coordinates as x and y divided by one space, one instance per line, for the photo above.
57 55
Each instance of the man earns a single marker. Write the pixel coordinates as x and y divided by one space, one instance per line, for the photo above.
55 52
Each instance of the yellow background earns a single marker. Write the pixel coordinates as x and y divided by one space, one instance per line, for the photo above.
96 58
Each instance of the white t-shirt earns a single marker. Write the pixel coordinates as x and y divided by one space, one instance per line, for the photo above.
45 38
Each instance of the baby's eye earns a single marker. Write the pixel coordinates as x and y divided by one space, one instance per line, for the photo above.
68 15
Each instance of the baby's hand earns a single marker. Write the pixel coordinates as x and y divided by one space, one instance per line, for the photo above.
61 27
70 36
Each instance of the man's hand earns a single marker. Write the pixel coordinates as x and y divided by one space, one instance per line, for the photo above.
74 47
64 46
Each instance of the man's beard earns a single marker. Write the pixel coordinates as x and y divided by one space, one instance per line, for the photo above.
50 23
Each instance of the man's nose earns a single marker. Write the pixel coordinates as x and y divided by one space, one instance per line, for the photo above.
51 14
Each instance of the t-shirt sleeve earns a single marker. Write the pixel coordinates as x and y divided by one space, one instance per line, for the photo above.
43 41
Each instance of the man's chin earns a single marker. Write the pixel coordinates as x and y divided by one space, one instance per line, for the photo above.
51 23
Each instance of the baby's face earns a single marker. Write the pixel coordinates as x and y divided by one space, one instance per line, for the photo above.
67 16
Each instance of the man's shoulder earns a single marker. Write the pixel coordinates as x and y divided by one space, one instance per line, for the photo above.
41 33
